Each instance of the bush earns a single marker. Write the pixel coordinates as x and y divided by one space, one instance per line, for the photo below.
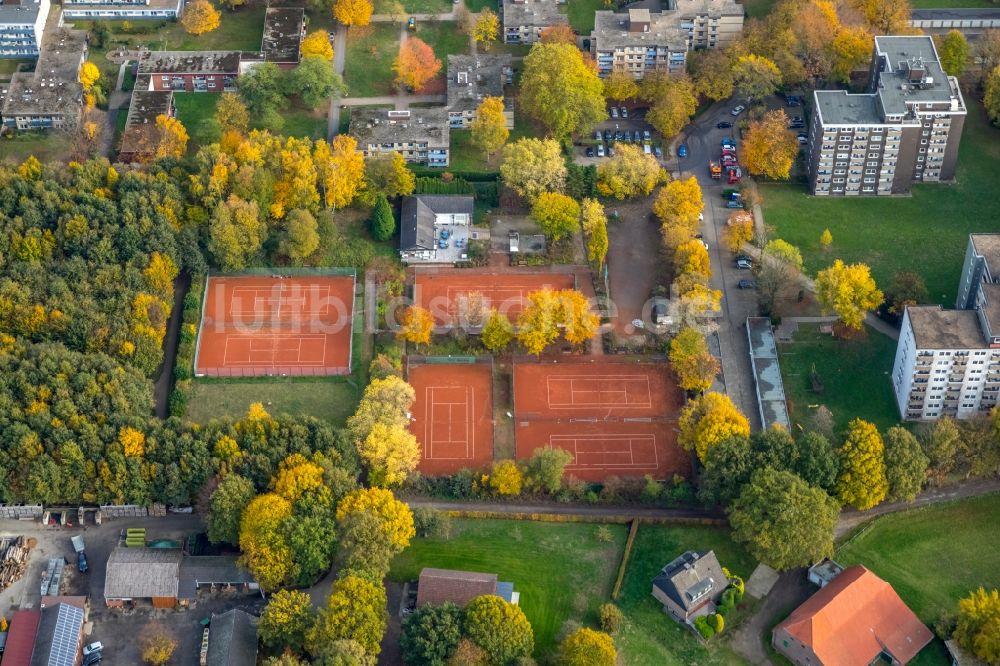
604 534
716 622
610 618
432 523
701 624
177 403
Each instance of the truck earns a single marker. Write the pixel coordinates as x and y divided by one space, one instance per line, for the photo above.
81 556
733 175
715 170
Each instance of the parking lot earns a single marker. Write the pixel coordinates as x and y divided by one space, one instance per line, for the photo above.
618 128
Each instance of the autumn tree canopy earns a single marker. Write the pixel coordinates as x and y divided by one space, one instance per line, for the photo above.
561 90
416 64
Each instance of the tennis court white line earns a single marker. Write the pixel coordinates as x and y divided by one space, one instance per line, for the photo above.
642 380
321 362
563 441
470 434
259 297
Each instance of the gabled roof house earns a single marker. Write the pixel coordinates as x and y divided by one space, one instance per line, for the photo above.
856 619
689 584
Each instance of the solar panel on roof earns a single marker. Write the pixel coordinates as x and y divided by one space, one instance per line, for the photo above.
66 637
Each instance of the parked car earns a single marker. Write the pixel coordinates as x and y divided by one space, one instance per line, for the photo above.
411 24
619 136
81 562
646 136
607 135
445 234
96 646
734 204
92 659
658 152
614 112
746 284
738 110
647 149
682 151
704 244
611 150
590 151
802 137
597 135
746 263
624 112
442 244
792 100
725 124
600 150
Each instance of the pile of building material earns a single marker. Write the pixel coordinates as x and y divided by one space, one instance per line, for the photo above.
14 553
52 578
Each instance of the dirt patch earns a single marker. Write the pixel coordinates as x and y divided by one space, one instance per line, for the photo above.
635 262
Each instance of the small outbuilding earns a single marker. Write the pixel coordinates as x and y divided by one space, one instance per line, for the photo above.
142 574
437 586
232 639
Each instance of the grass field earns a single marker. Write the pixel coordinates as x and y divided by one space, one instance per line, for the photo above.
415 6
302 122
242 30
932 557
562 571
193 110
758 8
650 638
476 6
368 65
46 146
844 367
331 400
581 14
9 66
927 232
445 38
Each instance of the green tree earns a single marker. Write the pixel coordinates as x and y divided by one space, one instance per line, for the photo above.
727 468
711 73
383 222
286 620
355 611
228 502
314 81
691 360
862 482
941 443
784 522
262 88
755 77
708 420
817 462
673 101
953 52
430 634
905 464
533 166
611 618
236 233
499 628
365 548
388 174
497 332
300 237
907 288
586 647
544 469
231 113
557 215
561 90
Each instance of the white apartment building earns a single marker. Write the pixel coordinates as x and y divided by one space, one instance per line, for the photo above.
948 361
22 23
132 10
905 129
421 136
524 20
640 41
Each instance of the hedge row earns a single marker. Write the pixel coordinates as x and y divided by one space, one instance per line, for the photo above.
614 519
184 364
617 589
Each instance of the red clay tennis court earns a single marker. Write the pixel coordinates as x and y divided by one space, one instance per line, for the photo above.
452 416
446 293
616 418
259 326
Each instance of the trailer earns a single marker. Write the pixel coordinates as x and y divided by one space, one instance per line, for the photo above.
715 170
77 543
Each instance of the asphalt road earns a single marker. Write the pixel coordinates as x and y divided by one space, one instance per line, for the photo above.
703 141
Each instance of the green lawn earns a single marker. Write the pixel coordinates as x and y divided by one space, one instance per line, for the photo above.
302 122
855 375
128 81
328 399
758 8
8 66
46 146
467 157
444 37
562 571
415 6
476 6
581 14
368 65
649 637
242 30
927 232
196 111
932 557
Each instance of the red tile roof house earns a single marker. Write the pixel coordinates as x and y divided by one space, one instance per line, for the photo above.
853 621
437 586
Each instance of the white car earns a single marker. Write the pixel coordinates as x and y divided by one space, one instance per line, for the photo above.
738 110
701 217
92 648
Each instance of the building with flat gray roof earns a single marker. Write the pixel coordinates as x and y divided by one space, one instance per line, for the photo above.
524 20
639 41
283 29
51 97
22 23
906 128
948 361
117 10
471 79
421 136
191 71
968 21
139 138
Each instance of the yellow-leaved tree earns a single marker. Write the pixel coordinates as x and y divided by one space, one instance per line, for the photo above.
296 476
355 614
89 75
825 239
672 101
595 225
489 129
532 166
692 362
862 482
506 478
630 173
390 452
266 553
708 420
395 518
416 326
978 627
353 12
849 291
692 257
557 214
133 442
768 149
679 202
200 17
172 137
486 28
738 231
620 85
317 43
561 89
538 323
497 331
579 321
340 170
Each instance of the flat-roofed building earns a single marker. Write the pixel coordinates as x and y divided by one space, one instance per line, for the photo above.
283 31
471 79
140 136
191 71
132 10
22 23
905 129
524 20
421 136
51 97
